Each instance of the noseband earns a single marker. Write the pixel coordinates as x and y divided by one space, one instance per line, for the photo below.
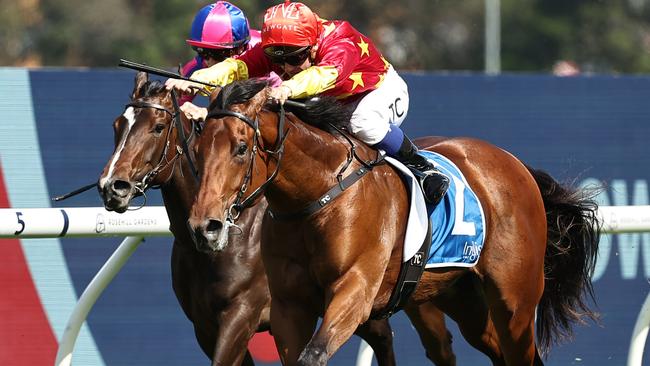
180 150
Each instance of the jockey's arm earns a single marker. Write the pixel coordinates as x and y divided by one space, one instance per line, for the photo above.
220 74
312 81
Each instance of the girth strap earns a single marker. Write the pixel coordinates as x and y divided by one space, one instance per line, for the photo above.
409 277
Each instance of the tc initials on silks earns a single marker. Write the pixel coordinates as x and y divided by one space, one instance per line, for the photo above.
396 110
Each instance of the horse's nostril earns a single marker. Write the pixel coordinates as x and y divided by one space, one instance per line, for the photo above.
213 225
121 187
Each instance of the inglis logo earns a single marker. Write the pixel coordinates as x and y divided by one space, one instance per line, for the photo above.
471 251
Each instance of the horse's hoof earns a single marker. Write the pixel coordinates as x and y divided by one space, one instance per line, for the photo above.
312 357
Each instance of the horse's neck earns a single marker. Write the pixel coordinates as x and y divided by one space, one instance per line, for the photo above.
311 161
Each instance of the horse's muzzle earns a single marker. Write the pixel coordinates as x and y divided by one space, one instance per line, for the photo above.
209 235
116 195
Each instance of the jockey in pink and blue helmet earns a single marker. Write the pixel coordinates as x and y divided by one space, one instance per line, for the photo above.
219 30
219 26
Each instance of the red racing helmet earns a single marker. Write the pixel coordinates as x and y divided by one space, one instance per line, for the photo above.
290 24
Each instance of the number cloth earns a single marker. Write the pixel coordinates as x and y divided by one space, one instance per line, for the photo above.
458 221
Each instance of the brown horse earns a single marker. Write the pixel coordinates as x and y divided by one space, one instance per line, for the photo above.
224 293
341 262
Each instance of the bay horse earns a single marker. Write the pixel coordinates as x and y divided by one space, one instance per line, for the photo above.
341 262
224 293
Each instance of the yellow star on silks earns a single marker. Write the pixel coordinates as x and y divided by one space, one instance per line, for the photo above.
386 63
357 78
381 80
327 29
364 47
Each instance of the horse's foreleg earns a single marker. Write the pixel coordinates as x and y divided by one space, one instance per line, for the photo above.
347 309
292 326
206 340
248 360
379 336
429 322
237 324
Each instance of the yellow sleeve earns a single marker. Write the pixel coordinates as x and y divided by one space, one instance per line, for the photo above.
225 72
311 81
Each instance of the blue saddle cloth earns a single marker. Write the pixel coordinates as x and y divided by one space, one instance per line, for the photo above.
458 223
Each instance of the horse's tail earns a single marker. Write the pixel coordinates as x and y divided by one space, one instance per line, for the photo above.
571 251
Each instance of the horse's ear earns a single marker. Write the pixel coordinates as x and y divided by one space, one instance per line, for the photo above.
140 78
260 100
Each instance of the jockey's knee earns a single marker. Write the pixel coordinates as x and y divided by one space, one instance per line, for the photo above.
369 131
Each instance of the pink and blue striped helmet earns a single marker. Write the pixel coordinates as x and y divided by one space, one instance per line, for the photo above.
219 25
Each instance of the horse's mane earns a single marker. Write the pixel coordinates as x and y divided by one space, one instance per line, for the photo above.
322 112
237 92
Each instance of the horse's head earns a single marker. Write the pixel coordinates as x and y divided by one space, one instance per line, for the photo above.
145 146
231 159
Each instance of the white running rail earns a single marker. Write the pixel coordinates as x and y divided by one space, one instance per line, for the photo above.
85 222
28 223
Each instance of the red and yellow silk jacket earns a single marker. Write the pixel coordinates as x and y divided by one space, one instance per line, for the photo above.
346 64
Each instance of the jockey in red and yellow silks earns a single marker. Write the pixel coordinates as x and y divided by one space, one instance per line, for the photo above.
345 64
315 56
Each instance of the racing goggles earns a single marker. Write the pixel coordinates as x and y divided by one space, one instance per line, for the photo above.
216 54
292 55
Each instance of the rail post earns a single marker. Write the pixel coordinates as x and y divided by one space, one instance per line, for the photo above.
90 295
639 335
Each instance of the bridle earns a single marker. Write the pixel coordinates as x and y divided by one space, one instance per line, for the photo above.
240 202
163 163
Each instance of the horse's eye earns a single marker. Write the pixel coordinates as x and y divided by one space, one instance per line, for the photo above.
242 149
159 128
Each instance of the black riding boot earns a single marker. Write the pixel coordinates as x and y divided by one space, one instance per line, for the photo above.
434 183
